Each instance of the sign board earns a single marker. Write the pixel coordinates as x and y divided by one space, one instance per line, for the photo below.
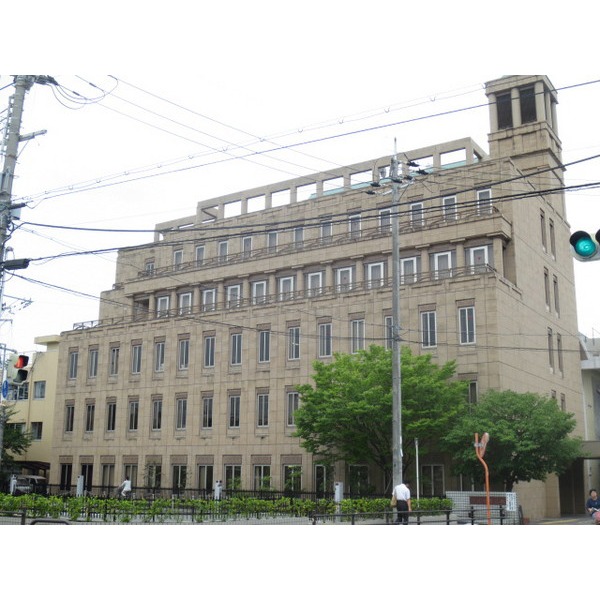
5 389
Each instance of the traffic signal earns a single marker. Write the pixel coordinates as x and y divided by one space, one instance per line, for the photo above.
584 247
16 371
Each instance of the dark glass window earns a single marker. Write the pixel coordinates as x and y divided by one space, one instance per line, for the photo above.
527 101
504 107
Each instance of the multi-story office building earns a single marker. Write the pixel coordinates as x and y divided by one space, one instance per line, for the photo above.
190 373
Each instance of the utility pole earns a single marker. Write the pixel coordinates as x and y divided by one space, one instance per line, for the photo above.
10 151
396 356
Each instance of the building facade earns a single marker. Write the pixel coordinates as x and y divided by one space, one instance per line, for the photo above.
33 404
189 375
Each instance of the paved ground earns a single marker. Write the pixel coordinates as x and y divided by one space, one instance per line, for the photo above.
565 520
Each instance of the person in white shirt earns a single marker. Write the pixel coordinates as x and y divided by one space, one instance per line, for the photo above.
126 488
403 504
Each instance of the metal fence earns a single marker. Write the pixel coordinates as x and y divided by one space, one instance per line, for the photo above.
192 516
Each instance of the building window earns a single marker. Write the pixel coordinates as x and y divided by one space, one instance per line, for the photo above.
262 477
264 346
259 292
547 288
343 279
357 335
39 390
183 355
527 103
556 298
326 232
107 481
66 475
209 350
417 216
484 201
298 237
504 110
466 317
181 414
134 411
408 270
90 411
324 339
149 267
157 414
559 351
449 208
205 477
478 259
314 284
236 349
179 478
207 412
159 357
472 392
247 246
111 415
293 345
428 329
442 265
375 275
184 301
354 226
209 299
199 255
292 478
234 411
154 476
233 477
385 220
136 359
286 288
222 251
177 259
93 363
272 241
552 238
69 418
233 295
113 365
292 405
262 410
73 360
543 229
162 306
36 430
550 348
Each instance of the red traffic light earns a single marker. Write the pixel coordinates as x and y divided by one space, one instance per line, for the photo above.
22 361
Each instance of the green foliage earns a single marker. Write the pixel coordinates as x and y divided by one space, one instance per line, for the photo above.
115 510
15 442
347 415
529 438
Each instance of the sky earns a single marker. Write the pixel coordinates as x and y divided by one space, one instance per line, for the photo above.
203 100
200 107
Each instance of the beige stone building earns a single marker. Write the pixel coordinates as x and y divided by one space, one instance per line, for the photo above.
189 375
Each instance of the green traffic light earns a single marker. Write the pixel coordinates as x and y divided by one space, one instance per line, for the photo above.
585 247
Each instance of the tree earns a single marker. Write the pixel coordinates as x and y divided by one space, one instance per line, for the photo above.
529 438
347 415
15 442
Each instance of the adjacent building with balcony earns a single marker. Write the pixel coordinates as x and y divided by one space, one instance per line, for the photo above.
189 375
